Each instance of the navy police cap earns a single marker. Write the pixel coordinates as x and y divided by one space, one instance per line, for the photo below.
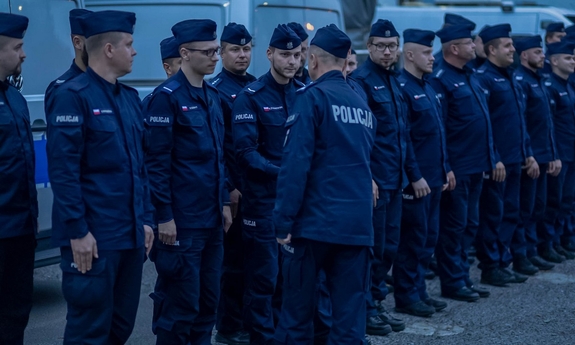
284 38
563 47
195 30
353 52
13 25
423 37
494 32
75 27
383 28
169 48
236 34
524 43
299 30
332 40
456 19
95 23
555 27
454 32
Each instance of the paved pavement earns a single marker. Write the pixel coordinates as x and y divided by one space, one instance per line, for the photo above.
540 311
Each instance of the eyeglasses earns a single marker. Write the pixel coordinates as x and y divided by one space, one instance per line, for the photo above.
467 43
206 52
380 47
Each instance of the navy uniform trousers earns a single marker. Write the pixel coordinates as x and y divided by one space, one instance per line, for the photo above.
386 224
564 232
102 303
419 233
498 218
459 221
347 276
188 286
533 201
16 286
547 228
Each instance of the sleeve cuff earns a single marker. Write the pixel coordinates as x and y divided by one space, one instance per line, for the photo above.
76 229
164 213
272 169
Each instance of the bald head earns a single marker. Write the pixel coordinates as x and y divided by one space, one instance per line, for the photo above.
321 62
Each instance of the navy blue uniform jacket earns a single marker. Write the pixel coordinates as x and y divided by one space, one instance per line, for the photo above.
18 199
96 164
466 120
324 185
425 126
70 74
392 152
562 96
259 116
229 86
538 117
185 159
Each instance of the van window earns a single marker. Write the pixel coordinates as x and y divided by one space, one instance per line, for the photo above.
266 19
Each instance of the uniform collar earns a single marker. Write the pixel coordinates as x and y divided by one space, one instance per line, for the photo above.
504 71
530 73
330 75
373 66
243 79
269 80
75 68
113 88
413 78
465 70
559 79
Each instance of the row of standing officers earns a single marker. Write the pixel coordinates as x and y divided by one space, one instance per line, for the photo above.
325 168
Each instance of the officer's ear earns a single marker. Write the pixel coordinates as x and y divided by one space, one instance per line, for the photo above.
78 42
270 53
185 54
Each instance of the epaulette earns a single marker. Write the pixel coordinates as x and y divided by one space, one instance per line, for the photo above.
130 89
518 77
170 87
305 87
214 82
77 84
438 73
254 87
548 83
480 71
298 83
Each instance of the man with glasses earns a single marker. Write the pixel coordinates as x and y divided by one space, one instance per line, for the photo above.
470 151
236 56
258 118
187 180
389 158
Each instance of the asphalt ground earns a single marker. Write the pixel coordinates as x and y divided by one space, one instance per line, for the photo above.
540 311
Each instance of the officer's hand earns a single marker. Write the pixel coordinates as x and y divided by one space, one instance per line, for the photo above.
149 238
451 182
375 192
285 240
532 167
84 249
227 213
499 172
554 168
235 196
167 232
420 188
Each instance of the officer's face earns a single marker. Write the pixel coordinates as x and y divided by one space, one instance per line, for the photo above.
124 53
503 52
423 58
384 50
479 51
236 58
564 63
351 64
464 48
535 57
304 49
285 62
201 57
172 66
555 37
11 56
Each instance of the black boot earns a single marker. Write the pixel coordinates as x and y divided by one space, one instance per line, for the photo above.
540 263
564 252
522 265
549 254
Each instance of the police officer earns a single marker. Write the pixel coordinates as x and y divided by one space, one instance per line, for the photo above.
236 54
560 189
258 117
499 203
539 124
187 179
302 74
553 33
480 56
470 152
450 19
18 200
389 159
170 53
80 62
102 214
351 64
324 198
420 211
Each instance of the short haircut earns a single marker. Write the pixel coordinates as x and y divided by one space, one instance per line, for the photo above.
96 42
493 43
325 57
4 41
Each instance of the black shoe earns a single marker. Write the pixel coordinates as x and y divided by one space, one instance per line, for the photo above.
482 292
516 278
397 325
375 326
429 274
495 277
538 262
436 304
418 308
569 247
522 265
463 294
549 254
565 253
235 338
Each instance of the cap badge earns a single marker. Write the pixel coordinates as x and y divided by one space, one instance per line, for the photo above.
215 35
289 45
243 41
387 33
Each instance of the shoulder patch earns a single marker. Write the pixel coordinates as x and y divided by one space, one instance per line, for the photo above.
63 120
244 117
170 87
159 120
